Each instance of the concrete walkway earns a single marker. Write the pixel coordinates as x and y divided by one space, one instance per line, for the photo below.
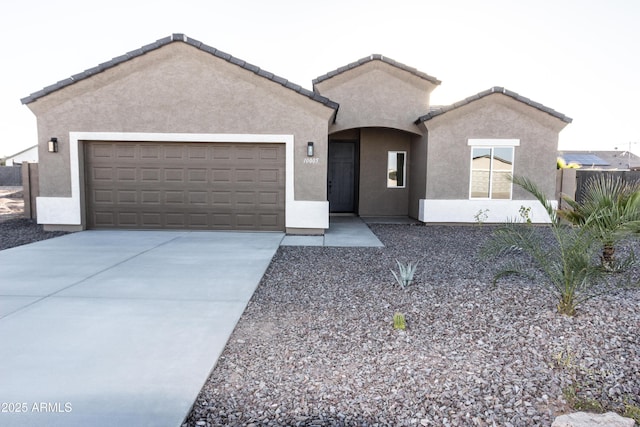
120 328
344 231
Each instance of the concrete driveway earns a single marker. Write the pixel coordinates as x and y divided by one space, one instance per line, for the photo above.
104 328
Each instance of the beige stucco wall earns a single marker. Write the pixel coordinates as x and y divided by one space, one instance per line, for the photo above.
180 89
494 116
417 173
375 198
377 94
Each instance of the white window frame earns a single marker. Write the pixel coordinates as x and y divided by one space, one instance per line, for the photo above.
491 144
404 169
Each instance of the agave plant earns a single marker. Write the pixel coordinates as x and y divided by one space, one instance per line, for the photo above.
405 274
609 211
566 263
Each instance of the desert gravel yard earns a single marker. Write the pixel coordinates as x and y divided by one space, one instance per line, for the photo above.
14 229
316 345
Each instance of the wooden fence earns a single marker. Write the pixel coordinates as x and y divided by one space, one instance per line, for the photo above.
583 176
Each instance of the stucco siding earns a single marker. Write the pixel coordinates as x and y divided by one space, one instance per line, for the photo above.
493 117
377 94
417 174
180 89
375 198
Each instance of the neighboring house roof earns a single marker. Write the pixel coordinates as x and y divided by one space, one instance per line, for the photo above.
21 152
495 89
584 159
376 57
602 159
27 155
195 43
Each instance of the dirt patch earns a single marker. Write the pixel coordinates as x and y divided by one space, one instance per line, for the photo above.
11 203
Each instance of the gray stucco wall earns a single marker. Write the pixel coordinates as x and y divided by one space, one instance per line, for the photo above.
180 89
377 94
417 174
375 198
495 116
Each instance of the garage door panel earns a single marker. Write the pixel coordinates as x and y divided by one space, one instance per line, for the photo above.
269 220
197 175
221 152
152 220
245 175
126 174
127 197
150 152
102 174
128 219
198 198
150 175
102 151
103 197
174 197
173 175
150 197
185 185
220 175
125 151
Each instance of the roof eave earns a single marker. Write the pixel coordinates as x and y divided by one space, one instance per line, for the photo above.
495 89
376 57
195 43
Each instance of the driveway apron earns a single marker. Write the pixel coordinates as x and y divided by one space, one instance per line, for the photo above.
107 328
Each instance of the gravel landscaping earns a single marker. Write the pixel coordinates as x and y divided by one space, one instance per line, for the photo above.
14 229
316 344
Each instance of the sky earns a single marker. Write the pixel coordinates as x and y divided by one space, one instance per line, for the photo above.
579 57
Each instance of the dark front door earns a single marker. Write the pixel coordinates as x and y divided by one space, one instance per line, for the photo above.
342 176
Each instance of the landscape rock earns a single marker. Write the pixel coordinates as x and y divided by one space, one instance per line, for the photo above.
585 419
316 345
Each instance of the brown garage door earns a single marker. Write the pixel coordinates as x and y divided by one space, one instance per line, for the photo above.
206 186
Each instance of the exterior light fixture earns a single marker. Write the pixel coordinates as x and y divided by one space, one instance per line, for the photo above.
53 145
309 149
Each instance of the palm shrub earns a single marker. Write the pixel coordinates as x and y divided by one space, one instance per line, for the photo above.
566 262
609 211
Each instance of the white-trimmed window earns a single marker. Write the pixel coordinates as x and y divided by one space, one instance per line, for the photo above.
396 169
491 166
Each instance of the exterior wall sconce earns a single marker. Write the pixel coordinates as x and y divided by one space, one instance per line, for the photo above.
53 145
309 149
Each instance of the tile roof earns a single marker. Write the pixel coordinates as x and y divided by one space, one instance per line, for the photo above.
195 43
495 89
376 57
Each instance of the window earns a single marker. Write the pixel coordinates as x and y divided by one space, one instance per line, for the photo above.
490 170
396 169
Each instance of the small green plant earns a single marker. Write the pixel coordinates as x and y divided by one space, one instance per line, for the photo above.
405 274
481 216
632 411
579 403
525 214
586 389
564 359
399 322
